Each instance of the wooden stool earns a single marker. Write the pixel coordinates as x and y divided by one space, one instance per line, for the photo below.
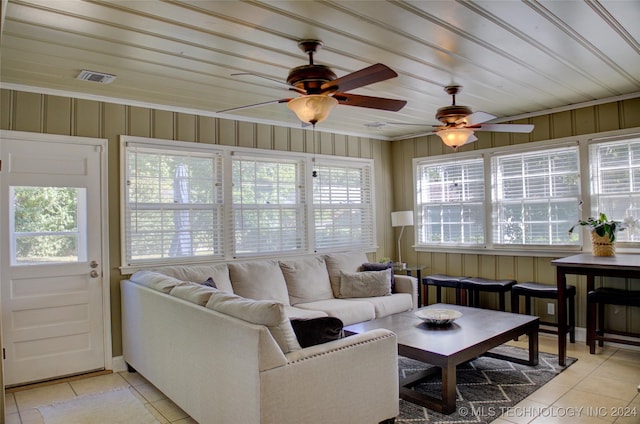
545 291
608 296
477 285
439 281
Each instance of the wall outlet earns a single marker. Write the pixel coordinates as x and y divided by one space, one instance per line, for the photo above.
551 309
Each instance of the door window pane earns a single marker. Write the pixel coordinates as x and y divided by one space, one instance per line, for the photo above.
48 224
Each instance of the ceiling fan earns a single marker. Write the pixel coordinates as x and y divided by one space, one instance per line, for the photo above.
321 90
459 123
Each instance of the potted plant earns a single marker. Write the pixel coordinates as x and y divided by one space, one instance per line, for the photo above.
603 233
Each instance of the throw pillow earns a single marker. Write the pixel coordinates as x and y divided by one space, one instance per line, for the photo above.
365 284
210 283
315 331
262 312
347 262
381 266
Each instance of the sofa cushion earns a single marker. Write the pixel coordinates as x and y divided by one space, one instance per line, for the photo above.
307 279
194 293
365 284
315 331
347 262
199 273
389 305
262 312
348 310
381 266
156 280
293 312
259 280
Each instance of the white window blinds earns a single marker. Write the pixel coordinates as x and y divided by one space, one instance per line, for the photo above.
343 206
450 202
536 197
615 184
173 205
269 212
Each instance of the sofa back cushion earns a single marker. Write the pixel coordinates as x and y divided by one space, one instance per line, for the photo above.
156 280
259 280
262 312
307 279
346 262
200 273
193 292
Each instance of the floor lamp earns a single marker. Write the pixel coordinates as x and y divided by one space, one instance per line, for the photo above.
401 219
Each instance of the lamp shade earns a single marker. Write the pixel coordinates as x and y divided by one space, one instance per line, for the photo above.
401 218
312 108
455 137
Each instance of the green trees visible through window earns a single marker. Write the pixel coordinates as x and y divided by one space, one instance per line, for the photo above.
45 223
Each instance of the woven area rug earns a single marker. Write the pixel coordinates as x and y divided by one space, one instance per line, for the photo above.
486 387
113 407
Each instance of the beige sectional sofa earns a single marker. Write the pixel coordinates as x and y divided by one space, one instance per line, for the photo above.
229 354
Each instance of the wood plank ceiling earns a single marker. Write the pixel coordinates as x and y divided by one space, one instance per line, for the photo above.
514 58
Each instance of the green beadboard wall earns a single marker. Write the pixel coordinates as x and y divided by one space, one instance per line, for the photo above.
41 113
587 120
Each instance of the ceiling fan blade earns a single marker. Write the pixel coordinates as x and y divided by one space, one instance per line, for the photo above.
407 123
289 86
476 118
372 74
370 102
472 139
516 128
233 109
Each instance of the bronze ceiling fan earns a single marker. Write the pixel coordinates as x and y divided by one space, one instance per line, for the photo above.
459 123
321 90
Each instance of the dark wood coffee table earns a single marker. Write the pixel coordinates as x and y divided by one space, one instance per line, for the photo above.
468 337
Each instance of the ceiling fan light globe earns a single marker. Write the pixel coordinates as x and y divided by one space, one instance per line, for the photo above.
455 137
312 108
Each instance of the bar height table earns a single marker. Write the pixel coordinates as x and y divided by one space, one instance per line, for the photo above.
620 265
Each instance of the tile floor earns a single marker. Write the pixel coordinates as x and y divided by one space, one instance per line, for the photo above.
601 388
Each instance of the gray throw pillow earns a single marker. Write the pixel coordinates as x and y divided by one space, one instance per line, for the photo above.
365 284
381 266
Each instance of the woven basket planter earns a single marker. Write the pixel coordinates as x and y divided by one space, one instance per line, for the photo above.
602 246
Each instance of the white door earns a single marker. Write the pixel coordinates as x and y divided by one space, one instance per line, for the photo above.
51 253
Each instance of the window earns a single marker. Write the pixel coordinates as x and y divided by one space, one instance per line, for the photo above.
48 224
173 204
268 205
615 183
520 199
450 202
189 202
343 205
535 197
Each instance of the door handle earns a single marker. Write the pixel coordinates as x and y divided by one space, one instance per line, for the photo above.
94 274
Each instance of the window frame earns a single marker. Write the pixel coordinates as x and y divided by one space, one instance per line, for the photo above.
308 161
433 162
525 153
593 208
583 142
367 208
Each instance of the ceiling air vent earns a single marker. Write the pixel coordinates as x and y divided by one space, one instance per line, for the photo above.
94 76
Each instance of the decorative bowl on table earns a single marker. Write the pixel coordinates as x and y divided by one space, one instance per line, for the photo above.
438 316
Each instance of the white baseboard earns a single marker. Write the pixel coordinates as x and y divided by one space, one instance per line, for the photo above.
118 364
